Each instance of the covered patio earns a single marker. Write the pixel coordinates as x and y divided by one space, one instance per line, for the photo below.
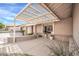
41 18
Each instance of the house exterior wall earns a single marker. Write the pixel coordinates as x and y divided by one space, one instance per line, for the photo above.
76 23
63 27
29 30
16 28
39 28
34 29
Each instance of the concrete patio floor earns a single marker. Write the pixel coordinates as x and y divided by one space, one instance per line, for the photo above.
35 47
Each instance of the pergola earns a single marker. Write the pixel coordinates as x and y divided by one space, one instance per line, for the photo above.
36 13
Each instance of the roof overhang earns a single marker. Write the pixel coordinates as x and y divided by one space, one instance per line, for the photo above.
37 13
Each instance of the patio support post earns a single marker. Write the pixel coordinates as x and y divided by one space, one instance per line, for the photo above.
53 29
34 29
14 30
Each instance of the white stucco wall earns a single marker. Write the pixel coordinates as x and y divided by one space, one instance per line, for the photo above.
63 27
29 29
76 23
39 28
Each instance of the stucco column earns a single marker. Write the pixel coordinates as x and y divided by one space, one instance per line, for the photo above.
53 31
76 23
34 29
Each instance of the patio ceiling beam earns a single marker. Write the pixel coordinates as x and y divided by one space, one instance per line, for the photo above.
35 17
30 12
23 9
34 20
43 19
46 8
50 11
35 9
38 16
57 6
24 13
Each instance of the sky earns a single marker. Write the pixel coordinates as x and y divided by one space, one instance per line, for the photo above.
9 11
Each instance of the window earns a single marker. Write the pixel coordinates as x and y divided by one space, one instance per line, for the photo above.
48 29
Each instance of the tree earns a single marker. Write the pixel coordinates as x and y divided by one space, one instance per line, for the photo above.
2 25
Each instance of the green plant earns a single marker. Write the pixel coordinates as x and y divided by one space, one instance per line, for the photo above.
22 31
2 25
60 49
